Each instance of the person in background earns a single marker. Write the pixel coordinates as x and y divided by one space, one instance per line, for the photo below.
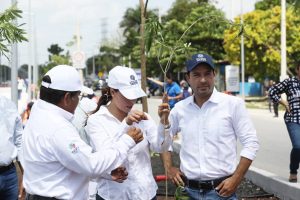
210 123
86 105
25 115
275 104
114 112
172 89
11 135
291 87
84 108
57 163
267 87
185 89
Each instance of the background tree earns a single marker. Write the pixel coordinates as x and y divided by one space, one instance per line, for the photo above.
262 42
104 61
206 34
9 32
55 58
267 4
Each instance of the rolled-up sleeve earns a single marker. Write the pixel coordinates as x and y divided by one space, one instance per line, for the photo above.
245 131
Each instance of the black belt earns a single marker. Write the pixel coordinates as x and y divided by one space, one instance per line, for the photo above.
38 197
205 185
6 168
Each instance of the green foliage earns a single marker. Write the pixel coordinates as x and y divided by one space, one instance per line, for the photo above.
200 31
267 4
108 58
262 42
131 26
55 58
55 49
9 32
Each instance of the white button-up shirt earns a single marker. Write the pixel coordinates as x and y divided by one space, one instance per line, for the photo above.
210 133
10 130
57 163
103 128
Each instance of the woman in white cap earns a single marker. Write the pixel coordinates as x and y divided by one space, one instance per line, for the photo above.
106 125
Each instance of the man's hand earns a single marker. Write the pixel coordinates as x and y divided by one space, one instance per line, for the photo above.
164 110
135 134
135 116
175 175
227 187
119 174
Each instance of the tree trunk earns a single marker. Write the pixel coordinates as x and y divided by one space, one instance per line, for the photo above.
143 56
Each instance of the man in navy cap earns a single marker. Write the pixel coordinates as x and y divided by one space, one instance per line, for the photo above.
210 123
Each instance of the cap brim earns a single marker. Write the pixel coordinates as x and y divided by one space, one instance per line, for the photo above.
132 92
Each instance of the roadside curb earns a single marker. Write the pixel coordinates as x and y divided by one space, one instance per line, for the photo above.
274 184
268 181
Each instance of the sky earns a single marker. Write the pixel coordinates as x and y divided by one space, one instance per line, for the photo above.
56 22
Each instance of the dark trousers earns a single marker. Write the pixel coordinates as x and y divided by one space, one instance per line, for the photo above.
9 184
275 107
294 133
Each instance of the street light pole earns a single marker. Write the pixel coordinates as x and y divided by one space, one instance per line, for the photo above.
242 54
29 52
283 74
14 68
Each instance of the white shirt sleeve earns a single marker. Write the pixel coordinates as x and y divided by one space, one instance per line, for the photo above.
159 140
245 131
18 131
77 156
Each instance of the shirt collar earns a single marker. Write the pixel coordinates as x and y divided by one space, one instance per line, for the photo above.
214 98
55 109
104 111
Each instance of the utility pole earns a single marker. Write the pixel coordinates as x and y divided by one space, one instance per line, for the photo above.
14 67
29 52
143 56
242 54
35 60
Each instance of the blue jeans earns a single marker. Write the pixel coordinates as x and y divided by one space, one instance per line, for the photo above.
196 194
9 184
294 133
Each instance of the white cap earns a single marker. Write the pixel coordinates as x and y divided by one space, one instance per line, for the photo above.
126 81
86 90
63 77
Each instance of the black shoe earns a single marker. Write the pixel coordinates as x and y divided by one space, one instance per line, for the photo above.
275 116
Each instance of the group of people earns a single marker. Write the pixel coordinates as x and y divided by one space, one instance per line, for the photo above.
59 163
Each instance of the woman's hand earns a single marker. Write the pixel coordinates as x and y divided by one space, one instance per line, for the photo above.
135 116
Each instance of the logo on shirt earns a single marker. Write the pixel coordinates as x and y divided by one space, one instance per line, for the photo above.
73 148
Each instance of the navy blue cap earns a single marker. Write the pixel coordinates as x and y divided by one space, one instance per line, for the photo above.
198 59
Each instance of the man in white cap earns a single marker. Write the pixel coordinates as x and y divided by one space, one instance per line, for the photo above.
57 163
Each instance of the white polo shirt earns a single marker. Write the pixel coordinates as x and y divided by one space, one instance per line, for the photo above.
57 163
103 129
210 133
